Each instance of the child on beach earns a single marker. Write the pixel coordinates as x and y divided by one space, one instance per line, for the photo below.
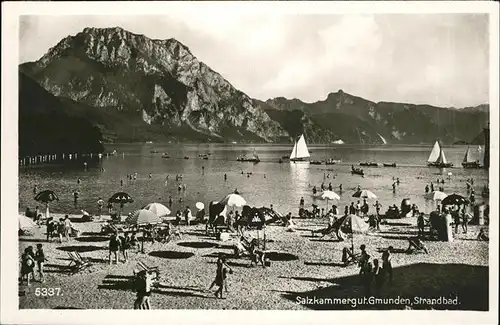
27 265
143 289
61 229
40 260
378 276
125 246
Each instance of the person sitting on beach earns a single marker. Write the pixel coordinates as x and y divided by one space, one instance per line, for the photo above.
416 245
27 265
178 216
114 247
371 222
482 235
40 260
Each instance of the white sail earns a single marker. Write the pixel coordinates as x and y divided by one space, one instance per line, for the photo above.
466 157
301 150
442 157
436 150
294 150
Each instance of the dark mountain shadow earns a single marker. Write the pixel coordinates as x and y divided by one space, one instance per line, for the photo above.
425 280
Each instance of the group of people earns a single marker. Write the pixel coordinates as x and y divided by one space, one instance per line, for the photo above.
29 260
60 228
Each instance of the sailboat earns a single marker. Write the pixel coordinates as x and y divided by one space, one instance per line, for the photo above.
254 158
437 157
469 161
299 151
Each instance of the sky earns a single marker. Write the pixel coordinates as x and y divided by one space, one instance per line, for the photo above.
437 59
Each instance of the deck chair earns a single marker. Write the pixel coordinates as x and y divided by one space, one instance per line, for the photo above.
348 257
416 246
154 270
77 263
254 250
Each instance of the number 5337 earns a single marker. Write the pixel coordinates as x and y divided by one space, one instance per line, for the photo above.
48 292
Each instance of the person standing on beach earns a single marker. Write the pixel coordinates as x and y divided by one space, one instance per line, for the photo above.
352 209
78 181
40 260
421 225
187 215
125 246
100 205
35 189
378 277
75 197
464 220
114 247
221 276
301 203
346 210
393 187
358 208
143 284
170 201
27 265
387 262
432 187
377 206
225 177
426 189
340 188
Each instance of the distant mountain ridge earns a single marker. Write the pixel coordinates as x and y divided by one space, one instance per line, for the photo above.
137 89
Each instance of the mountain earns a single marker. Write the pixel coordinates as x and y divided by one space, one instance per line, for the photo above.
47 125
357 120
134 88
149 85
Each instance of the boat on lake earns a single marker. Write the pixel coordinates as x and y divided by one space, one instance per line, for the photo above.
332 161
389 164
300 152
316 162
357 171
165 155
369 164
254 158
469 161
437 157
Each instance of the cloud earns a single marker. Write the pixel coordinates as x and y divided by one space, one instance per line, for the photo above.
439 59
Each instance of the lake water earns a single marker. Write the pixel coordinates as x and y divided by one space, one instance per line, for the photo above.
270 183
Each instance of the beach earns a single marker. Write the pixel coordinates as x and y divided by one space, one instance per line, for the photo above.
301 266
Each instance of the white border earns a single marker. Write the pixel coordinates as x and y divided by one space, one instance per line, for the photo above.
10 38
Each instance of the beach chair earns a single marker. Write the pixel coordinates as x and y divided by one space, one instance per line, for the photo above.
77 263
416 246
142 267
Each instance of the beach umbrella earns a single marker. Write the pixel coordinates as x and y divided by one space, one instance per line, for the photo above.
454 199
199 205
46 197
352 224
122 198
329 195
25 222
157 208
436 195
142 217
365 194
270 215
233 200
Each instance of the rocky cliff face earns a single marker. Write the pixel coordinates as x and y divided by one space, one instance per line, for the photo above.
357 120
158 81
136 89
